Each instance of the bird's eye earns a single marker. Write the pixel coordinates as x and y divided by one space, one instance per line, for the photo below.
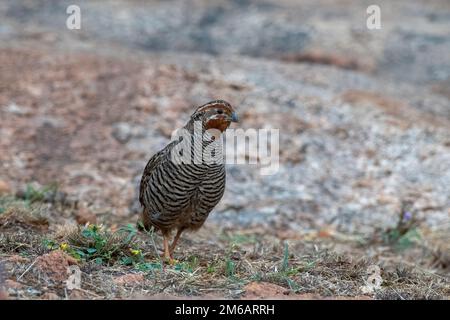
219 111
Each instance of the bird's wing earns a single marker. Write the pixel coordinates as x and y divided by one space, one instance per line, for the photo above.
154 161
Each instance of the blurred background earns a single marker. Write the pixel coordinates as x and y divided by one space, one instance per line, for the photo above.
364 115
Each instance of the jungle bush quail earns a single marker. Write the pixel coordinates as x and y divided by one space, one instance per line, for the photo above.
184 181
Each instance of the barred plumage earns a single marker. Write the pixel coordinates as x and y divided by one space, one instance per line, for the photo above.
178 192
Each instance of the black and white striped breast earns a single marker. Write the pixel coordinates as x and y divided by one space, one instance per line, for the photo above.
183 195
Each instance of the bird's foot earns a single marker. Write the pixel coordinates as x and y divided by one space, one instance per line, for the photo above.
167 258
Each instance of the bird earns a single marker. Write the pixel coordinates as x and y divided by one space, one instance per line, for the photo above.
181 184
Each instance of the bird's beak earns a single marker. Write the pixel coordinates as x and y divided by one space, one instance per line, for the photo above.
234 117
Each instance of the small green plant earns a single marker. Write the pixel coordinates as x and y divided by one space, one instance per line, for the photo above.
293 285
193 262
306 266
408 240
50 244
6 202
239 239
211 268
258 276
134 258
3 204
33 194
93 242
183 266
285 269
405 234
229 268
148 266
285 263
283 274
130 230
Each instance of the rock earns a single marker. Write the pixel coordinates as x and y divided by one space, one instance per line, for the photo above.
3 295
17 259
264 290
79 295
11 284
50 296
4 188
15 109
166 296
55 265
55 197
331 58
129 279
122 132
83 216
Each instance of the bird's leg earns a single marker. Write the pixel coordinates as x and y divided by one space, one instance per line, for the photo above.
175 240
166 254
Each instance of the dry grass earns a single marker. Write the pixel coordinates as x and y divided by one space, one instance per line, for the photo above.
221 270
19 214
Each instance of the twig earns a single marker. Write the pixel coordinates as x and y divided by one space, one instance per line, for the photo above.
398 294
28 269
150 233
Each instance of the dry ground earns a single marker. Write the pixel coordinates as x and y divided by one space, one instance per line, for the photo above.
121 263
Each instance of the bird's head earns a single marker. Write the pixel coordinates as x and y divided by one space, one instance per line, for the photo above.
216 115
